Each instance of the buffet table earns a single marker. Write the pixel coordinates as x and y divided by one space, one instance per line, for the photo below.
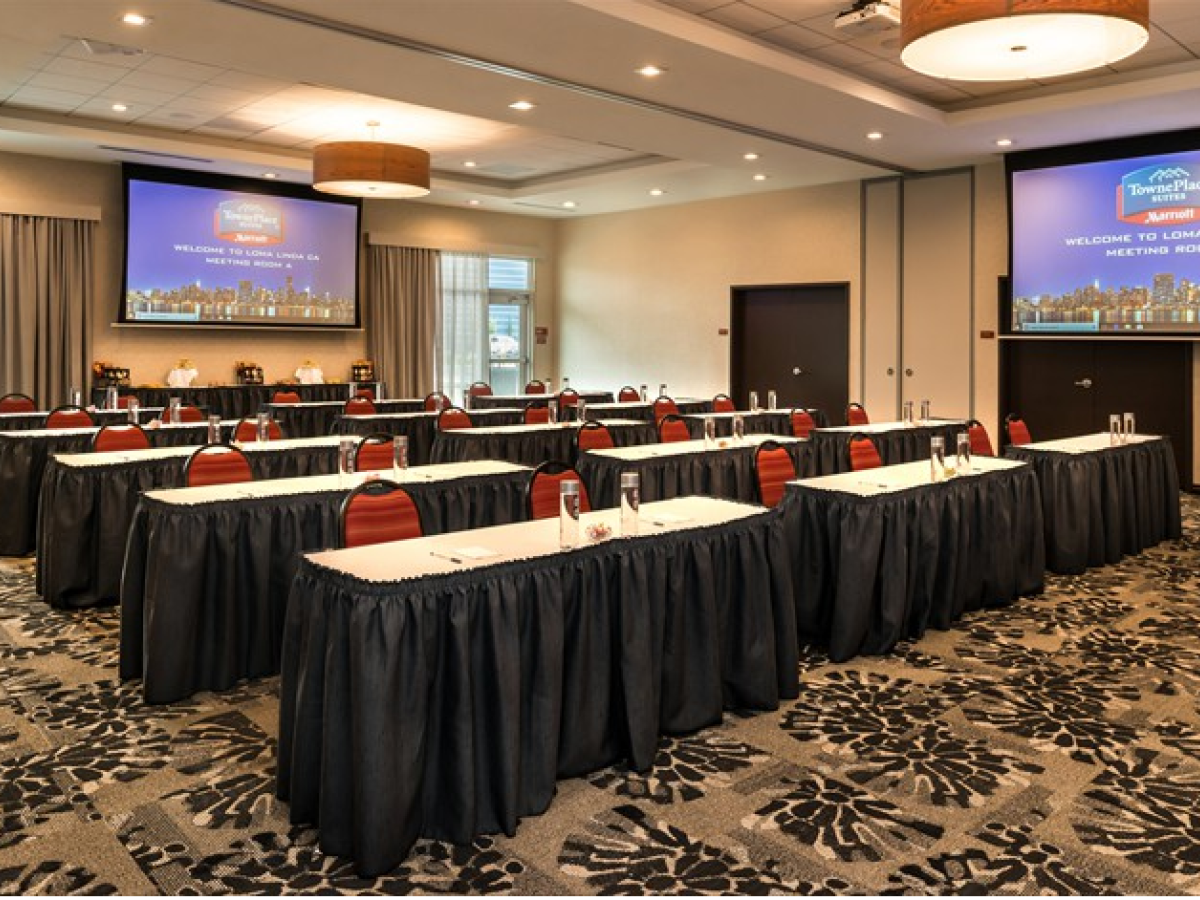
530 445
1101 502
882 555
896 442
208 569
230 401
429 691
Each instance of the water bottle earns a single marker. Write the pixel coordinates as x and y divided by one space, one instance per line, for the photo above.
568 514
629 503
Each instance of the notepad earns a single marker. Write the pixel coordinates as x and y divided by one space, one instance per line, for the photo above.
475 552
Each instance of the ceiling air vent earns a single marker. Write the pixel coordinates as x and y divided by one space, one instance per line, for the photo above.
106 48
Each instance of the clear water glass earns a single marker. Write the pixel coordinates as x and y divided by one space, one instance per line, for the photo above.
346 448
645 392
133 408
937 459
753 401
1130 427
1115 429
662 390
710 431
568 514
174 410
926 412
399 457
75 397
739 429
630 500
110 397
552 408
581 410
963 454
772 400
214 429
908 413
263 428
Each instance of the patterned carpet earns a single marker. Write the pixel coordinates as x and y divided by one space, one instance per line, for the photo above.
1051 747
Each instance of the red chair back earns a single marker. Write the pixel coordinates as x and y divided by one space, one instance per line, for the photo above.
541 497
125 400
359 406
981 444
773 468
285 397
378 511
856 415
802 423
664 406
120 437
436 402
70 417
629 394
723 403
593 435
537 386
217 464
479 389
567 397
454 418
17 403
187 413
863 453
1018 432
374 452
247 430
672 428
537 415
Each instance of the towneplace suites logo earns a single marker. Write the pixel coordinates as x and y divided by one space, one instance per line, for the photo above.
1160 195
248 222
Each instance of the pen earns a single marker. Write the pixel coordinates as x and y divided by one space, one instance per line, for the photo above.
453 559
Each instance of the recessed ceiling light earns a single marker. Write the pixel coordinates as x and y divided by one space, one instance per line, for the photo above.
874 135
1004 142
656 192
119 107
760 177
750 156
568 204
270 175
650 71
522 105
470 164
133 18
472 203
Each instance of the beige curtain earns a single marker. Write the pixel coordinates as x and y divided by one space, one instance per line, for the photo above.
46 297
400 315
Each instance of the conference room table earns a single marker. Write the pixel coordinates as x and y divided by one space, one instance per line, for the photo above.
314 418
897 442
208 569
23 459
679 468
32 421
759 421
419 427
520 401
229 401
530 445
439 687
644 411
882 555
88 501
1102 501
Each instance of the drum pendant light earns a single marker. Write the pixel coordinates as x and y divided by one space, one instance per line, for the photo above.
371 169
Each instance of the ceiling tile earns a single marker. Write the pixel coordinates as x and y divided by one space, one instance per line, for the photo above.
165 84
745 18
179 68
70 83
46 98
795 37
83 68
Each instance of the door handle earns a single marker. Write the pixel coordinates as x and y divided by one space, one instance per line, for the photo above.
1084 383
796 370
908 372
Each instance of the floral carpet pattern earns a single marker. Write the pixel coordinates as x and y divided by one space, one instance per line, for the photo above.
1049 747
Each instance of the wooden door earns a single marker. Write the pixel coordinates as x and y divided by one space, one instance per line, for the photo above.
795 340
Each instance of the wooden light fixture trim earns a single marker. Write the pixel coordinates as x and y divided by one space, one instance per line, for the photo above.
922 17
348 167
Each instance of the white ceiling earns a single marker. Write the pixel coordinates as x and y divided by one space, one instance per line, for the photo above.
249 86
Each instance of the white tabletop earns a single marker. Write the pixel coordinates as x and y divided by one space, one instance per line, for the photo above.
86 460
541 426
1087 443
744 413
886 479
882 427
678 448
444 553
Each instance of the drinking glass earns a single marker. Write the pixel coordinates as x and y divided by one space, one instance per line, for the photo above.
908 413
753 401
926 412
710 431
566 383
568 514
629 503
662 390
1115 429
346 448
937 458
645 393
1130 427
263 430
174 410
110 397
133 409
739 429
399 457
772 400
75 397
466 398
581 410
552 408
963 441
214 429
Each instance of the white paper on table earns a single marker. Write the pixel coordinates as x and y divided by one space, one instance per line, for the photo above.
474 552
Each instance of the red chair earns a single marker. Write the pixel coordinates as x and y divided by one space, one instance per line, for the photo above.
479 389
723 403
1018 432
125 400
802 423
672 428
856 415
247 430
359 406
217 464
187 413
69 417
629 394
378 511
537 414
537 386
773 468
981 444
568 398
863 453
375 451
285 397
593 435
453 418
541 495
17 403
436 402
664 406
119 437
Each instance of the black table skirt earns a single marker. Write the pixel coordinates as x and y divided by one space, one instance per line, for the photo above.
298 421
206 586
230 401
420 429
644 412
86 514
1101 506
871 571
528 448
492 402
23 461
901 445
727 473
447 707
